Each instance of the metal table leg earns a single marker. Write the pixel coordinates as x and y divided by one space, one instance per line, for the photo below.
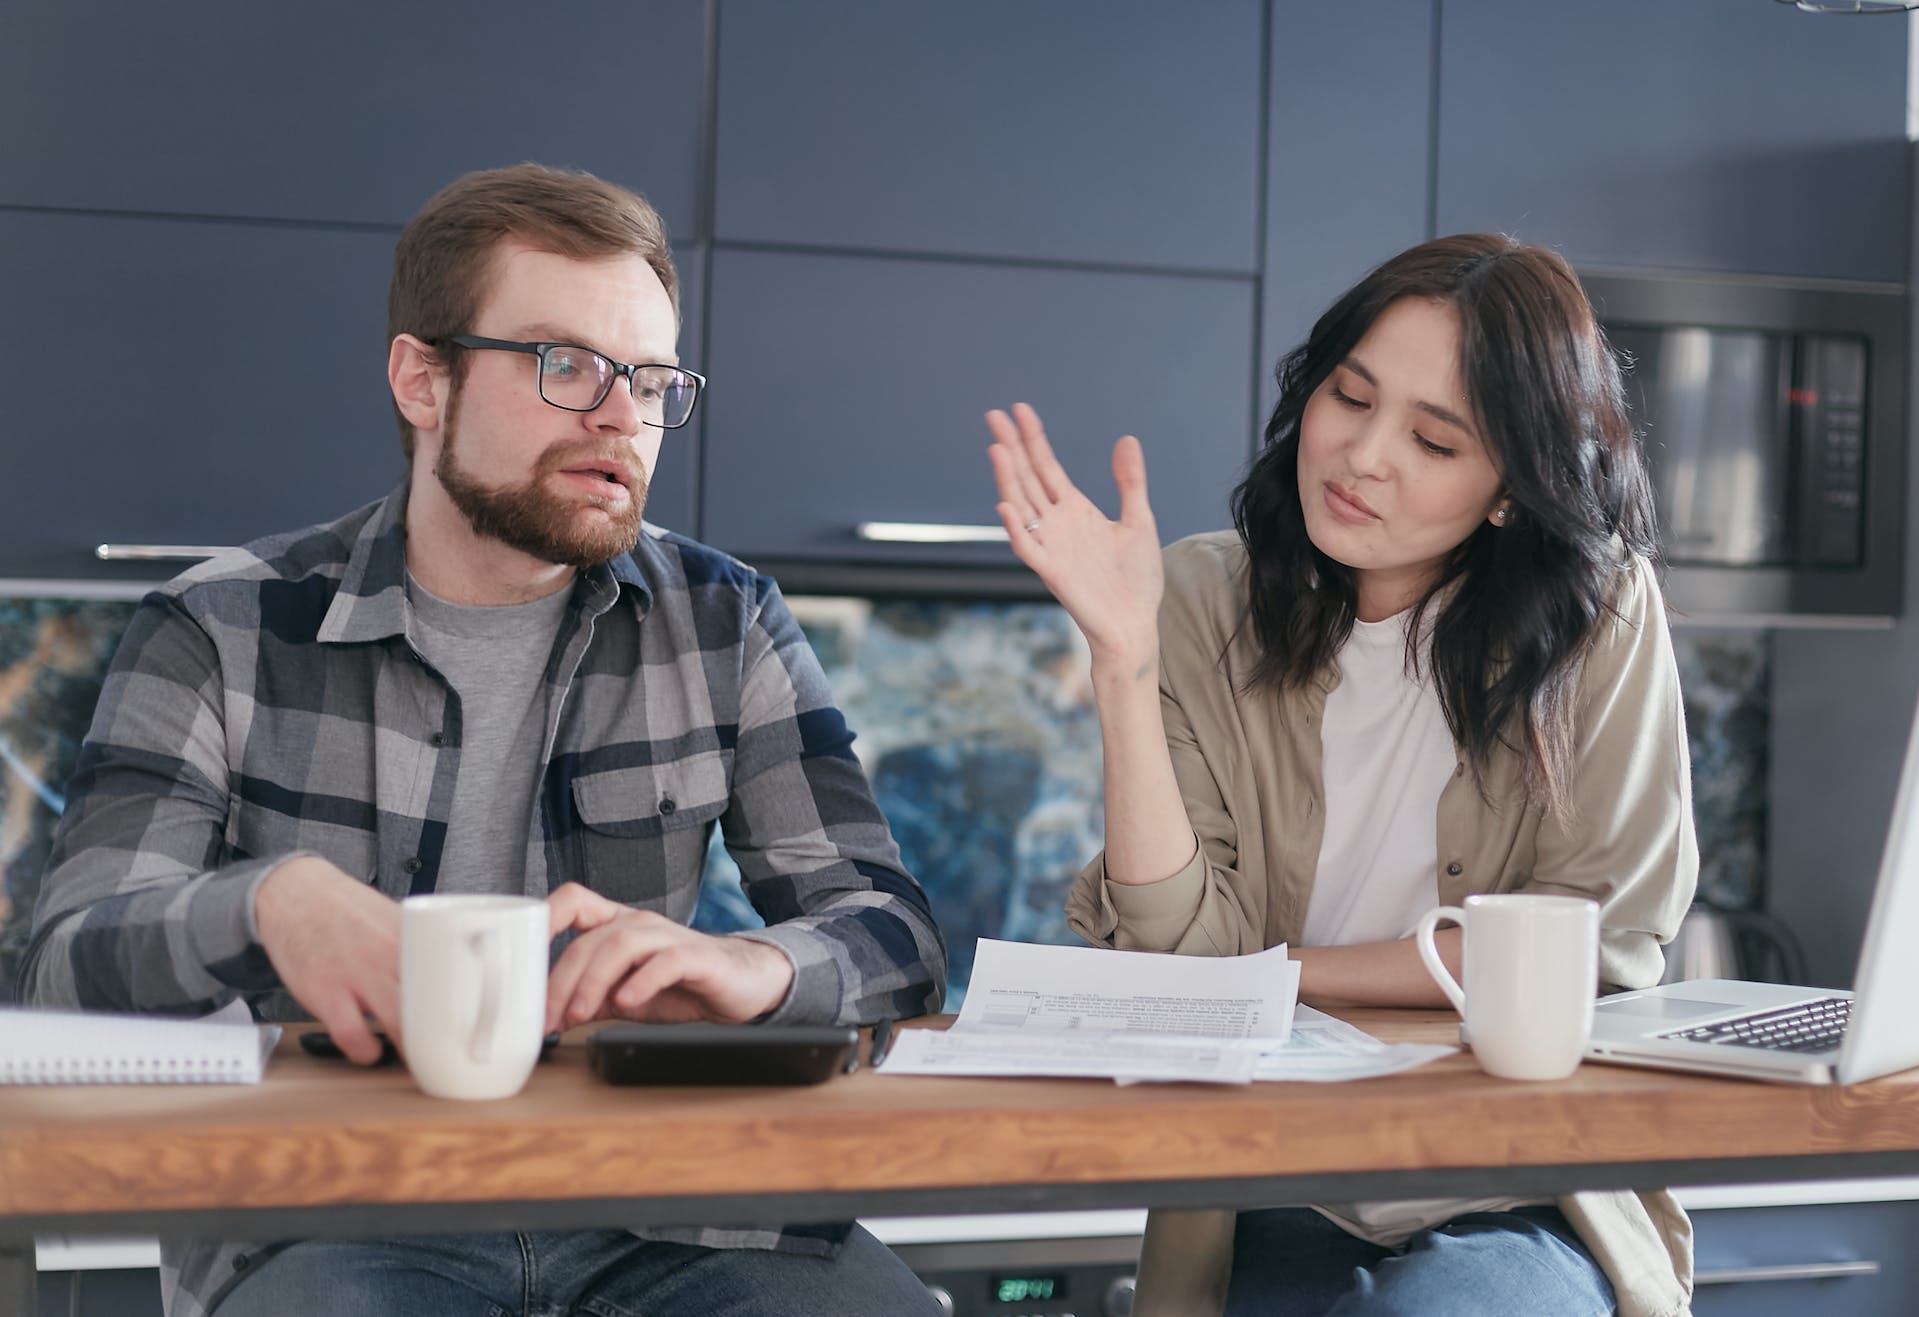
18 1278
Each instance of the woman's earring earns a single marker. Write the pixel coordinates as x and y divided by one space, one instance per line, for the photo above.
1499 516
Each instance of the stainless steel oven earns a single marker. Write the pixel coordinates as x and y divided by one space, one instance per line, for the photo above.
1774 417
1028 1277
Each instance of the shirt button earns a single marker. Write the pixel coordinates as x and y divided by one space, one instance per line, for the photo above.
412 864
1455 868
667 805
438 738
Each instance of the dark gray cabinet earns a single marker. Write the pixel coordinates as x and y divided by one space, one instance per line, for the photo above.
185 383
852 389
131 1293
196 228
1714 134
343 113
201 383
1851 1258
1076 131
1124 212
1347 182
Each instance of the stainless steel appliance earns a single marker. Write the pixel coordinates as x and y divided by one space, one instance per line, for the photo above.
1774 417
1028 1277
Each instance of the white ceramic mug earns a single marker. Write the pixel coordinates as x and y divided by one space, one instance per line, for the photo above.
472 992
1532 974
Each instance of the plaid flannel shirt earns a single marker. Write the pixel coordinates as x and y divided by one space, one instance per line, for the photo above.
270 702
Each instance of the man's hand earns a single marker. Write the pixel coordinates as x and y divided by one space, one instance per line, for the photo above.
637 965
335 942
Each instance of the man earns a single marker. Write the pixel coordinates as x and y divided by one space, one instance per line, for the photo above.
497 679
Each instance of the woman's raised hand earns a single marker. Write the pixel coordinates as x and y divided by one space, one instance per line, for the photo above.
1105 573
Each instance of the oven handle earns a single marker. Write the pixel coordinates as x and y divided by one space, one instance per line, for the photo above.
156 552
1789 1271
928 532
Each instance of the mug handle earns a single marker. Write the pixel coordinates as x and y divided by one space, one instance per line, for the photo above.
490 946
1428 952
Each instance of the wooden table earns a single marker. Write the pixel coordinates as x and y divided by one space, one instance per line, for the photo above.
321 1147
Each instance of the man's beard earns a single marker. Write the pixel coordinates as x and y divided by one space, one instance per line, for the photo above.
548 527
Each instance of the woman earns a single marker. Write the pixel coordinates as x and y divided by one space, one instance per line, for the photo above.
1431 659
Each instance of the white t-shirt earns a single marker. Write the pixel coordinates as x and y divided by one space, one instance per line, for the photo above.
1386 755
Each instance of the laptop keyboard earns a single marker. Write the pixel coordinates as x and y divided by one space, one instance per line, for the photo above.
1812 1026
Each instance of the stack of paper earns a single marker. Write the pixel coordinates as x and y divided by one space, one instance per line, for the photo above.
100 1047
1138 1016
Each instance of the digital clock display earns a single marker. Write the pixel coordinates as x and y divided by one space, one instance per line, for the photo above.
1025 1289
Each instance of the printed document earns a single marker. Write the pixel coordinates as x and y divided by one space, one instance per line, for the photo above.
1137 1016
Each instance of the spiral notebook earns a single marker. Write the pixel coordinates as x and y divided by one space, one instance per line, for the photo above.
104 1047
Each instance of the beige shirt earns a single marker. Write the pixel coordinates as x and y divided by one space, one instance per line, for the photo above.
1248 765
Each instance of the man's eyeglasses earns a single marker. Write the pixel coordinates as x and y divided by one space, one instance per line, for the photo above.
577 379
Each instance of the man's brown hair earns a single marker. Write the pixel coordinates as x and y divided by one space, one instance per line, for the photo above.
443 263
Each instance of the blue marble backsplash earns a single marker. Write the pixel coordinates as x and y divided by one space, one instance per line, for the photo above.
975 723
53 654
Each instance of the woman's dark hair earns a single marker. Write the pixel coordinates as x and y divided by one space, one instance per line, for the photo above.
1528 597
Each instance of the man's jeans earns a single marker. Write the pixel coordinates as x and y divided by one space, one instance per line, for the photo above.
1522 1263
605 1273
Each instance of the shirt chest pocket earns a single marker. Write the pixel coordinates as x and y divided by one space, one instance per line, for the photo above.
643 830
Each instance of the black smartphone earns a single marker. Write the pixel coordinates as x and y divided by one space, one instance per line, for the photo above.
318 1042
721 1053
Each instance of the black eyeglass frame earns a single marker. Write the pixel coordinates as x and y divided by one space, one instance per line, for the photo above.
620 368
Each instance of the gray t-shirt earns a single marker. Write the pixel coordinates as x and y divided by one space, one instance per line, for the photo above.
494 658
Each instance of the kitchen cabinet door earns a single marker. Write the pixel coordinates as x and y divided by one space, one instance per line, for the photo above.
851 389
1084 131
179 382
100 1294
1348 157
344 113
200 383
1851 1258
1714 134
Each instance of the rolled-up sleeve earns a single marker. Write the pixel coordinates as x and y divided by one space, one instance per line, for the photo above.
1216 905
140 908
1628 842
816 857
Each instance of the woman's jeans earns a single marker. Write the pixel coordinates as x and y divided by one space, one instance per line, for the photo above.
604 1273
1523 1263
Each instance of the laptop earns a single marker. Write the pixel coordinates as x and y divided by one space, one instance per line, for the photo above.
1789 1034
